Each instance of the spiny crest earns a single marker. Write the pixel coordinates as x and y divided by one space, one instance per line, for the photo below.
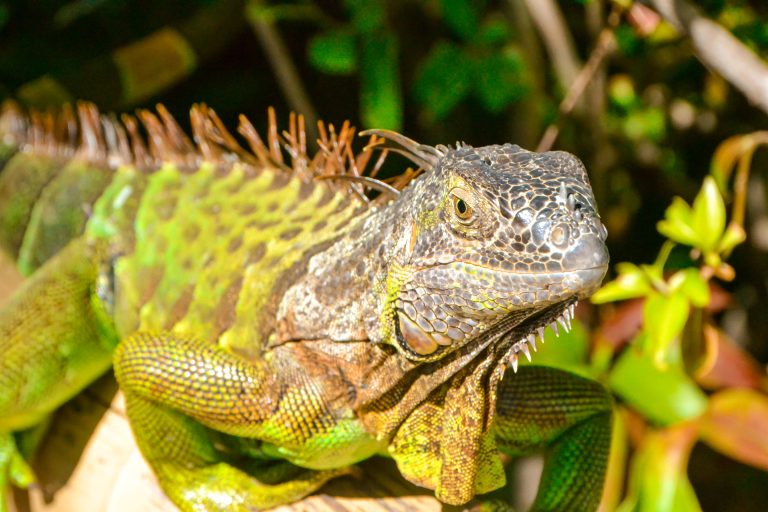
424 156
149 139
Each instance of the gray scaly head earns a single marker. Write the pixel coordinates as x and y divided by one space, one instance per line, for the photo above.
492 241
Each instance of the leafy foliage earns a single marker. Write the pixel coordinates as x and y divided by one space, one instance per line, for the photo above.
660 374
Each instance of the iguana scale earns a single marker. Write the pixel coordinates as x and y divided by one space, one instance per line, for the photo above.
271 326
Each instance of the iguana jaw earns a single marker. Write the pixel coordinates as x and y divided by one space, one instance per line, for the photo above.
522 338
431 322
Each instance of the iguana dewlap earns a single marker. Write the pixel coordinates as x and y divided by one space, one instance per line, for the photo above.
270 328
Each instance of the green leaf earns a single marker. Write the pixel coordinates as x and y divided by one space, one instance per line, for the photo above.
655 273
70 12
645 124
708 215
460 16
621 91
381 102
443 81
631 283
569 351
627 40
665 317
499 80
665 396
493 32
691 284
333 52
659 472
733 236
5 14
367 15
678 224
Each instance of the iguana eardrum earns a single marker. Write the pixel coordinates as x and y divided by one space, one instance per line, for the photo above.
270 328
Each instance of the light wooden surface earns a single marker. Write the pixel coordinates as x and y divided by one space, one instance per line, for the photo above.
89 462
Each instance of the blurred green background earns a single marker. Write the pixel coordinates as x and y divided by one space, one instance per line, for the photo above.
685 349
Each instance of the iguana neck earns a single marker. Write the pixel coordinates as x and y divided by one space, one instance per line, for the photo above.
339 295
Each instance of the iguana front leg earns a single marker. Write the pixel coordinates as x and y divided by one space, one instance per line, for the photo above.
54 339
571 418
173 386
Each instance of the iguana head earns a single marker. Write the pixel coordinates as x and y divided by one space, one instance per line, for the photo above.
494 241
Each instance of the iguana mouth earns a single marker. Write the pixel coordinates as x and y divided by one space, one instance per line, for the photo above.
534 328
524 325
430 322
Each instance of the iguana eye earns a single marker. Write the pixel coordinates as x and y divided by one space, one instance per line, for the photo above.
462 209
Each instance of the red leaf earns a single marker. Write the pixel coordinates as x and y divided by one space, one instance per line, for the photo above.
727 364
736 425
622 323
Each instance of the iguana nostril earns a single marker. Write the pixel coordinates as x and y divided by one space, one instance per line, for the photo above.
559 236
574 207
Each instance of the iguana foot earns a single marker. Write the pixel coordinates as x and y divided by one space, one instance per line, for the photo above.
493 505
14 470
224 487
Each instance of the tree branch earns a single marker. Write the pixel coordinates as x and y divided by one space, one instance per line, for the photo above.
557 39
525 126
285 71
605 44
719 50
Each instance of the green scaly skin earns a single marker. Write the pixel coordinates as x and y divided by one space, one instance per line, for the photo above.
274 331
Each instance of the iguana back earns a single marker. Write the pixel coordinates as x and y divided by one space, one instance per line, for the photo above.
199 235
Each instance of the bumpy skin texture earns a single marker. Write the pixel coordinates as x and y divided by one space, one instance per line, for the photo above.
275 331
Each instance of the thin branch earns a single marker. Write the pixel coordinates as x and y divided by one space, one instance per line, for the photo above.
596 17
557 39
373 183
605 44
285 71
523 127
719 50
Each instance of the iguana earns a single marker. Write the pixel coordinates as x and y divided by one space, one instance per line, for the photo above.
270 326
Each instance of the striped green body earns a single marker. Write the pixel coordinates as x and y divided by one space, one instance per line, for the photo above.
202 252
193 251
197 252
